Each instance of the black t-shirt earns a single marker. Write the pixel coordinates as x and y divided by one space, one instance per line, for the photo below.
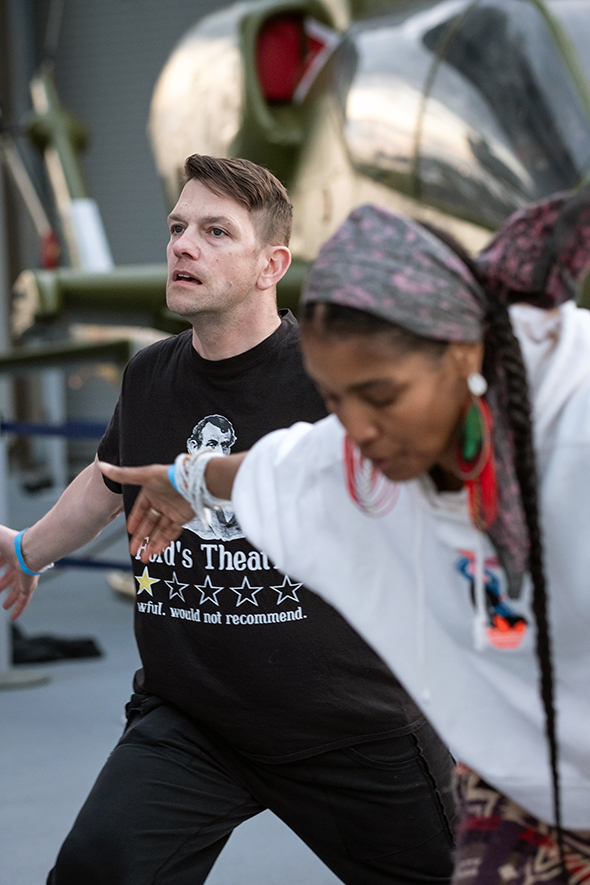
223 635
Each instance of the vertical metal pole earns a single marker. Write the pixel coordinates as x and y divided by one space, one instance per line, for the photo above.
5 638
88 246
5 641
53 387
9 676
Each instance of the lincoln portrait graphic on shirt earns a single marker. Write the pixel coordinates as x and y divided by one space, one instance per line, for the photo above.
214 433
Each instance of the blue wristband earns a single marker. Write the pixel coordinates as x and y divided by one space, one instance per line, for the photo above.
19 555
172 475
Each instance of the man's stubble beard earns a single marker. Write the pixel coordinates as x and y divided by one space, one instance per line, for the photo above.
210 304
187 307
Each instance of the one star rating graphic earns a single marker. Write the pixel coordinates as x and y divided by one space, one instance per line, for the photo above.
176 587
208 591
145 582
287 590
246 593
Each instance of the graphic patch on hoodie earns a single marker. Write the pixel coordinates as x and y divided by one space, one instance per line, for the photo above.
505 628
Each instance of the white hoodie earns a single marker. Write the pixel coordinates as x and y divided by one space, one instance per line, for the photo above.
424 587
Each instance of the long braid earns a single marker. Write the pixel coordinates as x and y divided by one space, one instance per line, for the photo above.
500 338
501 335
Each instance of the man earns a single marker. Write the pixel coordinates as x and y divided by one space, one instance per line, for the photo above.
253 693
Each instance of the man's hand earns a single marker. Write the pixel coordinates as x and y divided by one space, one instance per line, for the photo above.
159 512
20 586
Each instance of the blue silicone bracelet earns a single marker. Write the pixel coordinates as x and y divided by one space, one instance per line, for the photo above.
172 475
19 554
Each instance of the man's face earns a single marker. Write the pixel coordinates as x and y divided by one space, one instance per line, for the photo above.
214 438
214 256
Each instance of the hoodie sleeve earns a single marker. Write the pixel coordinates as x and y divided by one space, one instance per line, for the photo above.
268 474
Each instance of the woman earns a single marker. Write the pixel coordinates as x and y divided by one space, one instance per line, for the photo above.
472 582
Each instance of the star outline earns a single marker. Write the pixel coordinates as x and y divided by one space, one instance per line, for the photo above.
243 597
176 587
287 583
202 588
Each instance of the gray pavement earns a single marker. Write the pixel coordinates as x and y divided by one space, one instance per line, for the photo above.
54 738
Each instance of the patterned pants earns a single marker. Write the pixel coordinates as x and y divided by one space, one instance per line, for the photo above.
499 843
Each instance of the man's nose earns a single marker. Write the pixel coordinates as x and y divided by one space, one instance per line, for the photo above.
186 244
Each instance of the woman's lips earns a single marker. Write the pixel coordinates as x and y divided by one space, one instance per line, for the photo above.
392 467
382 463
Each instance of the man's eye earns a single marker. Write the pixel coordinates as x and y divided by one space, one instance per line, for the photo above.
176 228
217 232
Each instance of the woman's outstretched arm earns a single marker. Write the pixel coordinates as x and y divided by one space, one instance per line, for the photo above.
160 512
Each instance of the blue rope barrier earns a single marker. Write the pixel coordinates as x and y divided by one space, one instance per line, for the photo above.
73 430
70 429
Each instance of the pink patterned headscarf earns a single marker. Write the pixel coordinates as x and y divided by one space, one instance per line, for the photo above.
389 265
541 251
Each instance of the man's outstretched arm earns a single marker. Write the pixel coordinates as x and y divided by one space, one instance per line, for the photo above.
84 509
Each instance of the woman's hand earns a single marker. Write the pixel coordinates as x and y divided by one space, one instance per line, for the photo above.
12 578
159 512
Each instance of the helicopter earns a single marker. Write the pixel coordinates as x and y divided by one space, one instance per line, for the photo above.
455 112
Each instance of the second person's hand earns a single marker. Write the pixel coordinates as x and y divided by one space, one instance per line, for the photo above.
159 512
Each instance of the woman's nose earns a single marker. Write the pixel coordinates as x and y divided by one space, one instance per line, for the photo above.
358 423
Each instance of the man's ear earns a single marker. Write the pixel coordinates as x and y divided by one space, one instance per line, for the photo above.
278 259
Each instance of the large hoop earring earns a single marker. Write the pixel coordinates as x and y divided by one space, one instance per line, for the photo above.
474 443
370 490
475 456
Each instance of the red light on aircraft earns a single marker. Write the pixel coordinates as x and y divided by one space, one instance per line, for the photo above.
290 51
280 55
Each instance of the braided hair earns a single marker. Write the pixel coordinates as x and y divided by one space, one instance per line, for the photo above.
499 337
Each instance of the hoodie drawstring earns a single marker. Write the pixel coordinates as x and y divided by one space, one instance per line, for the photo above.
481 619
425 692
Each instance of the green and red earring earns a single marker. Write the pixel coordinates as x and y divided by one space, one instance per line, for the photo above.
475 456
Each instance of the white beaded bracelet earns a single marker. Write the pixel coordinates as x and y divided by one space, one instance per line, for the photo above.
189 480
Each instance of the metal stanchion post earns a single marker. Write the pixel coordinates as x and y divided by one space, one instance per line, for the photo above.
5 643
10 677
53 386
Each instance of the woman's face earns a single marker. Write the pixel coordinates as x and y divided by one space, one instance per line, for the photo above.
401 409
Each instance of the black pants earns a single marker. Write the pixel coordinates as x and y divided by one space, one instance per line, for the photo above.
169 797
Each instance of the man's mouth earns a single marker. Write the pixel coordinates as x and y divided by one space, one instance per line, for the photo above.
181 276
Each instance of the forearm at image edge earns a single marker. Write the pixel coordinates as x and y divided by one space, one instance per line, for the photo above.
220 474
80 514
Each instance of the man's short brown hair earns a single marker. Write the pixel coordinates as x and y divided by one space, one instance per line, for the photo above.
251 186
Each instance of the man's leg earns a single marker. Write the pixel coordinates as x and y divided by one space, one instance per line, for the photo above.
379 813
161 810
